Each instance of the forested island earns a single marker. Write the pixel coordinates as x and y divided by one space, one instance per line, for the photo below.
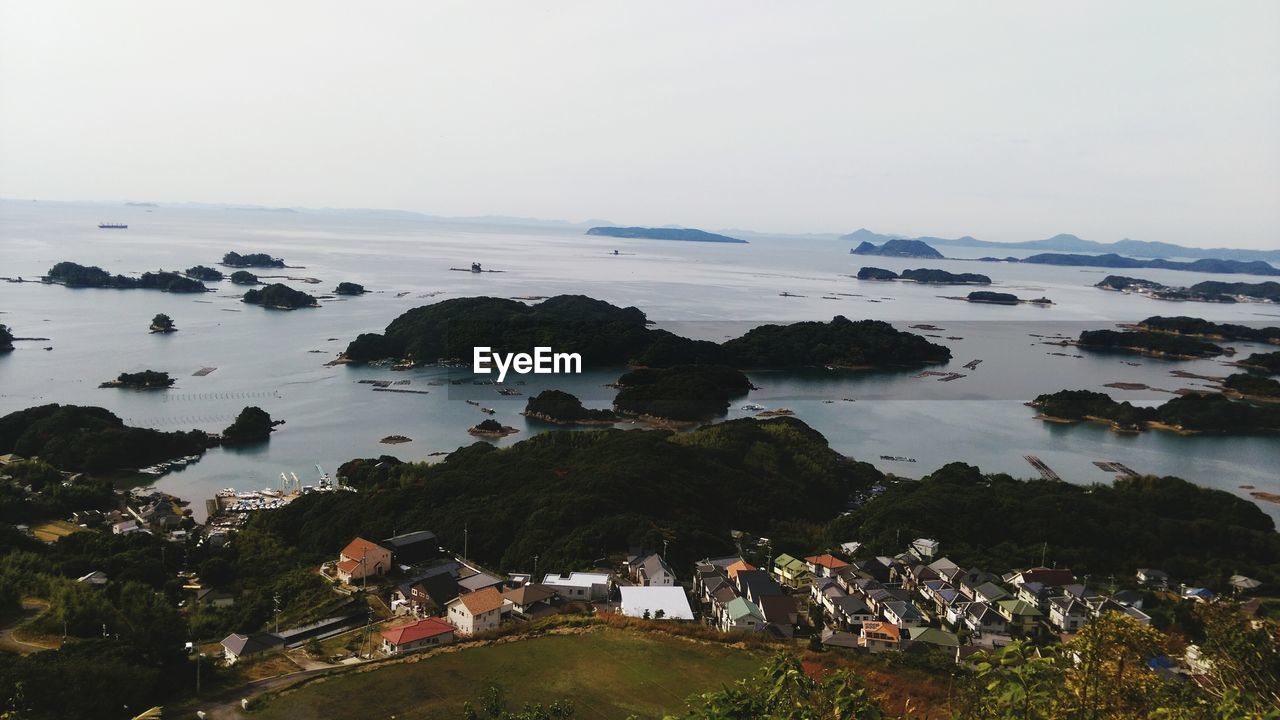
162 323
204 272
6 339
145 380
995 298
278 296
1266 362
839 343
685 393
1145 342
1190 413
1269 290
91 439
898 247
349 288
925 275
1112 260
252 425
1195 327
1252 386
557 406
248 260
647 233
491 428
244 277
89 276
1158 291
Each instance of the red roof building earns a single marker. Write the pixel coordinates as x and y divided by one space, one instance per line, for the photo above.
423 633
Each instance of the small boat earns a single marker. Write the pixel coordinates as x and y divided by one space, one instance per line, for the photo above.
475 267
112 226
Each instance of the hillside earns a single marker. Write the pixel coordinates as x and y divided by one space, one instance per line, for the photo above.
91 439
647 233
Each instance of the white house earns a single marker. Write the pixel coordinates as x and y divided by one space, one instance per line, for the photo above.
591 587
660 602
475 612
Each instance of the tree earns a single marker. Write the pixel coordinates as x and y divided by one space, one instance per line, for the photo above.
783 691
162 323
1244 660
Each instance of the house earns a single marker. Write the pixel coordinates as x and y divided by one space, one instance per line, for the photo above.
1049 577
927 638
413 548
924 548
425 595
423 633
780 610
652 569
125 527
879 636
971 580
215 597
741 614
901 613
852 611
478 581
983 618
1151 577
946 569
362 559
791 571
755 584
659 602
475 612
1105 605
840 639
588 587
1067 613
1021 616
1242 583
824 565
989 592
532 600
732 570
850 548
236 646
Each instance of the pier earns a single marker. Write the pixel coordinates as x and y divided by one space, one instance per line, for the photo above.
1045 471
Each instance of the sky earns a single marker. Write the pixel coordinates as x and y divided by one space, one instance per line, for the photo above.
1004 120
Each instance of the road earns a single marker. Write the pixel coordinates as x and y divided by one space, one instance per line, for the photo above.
31 609
226 704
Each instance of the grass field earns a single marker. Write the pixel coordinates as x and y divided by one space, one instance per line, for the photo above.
54 530
605 674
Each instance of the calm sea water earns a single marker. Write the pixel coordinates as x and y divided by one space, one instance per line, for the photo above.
276 359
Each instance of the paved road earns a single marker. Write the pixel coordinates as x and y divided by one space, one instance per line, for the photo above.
226 704
31 609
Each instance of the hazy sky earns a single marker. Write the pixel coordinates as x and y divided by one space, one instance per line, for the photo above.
1005 120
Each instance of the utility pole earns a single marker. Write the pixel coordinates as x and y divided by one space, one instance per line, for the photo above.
534 577
198 654
275 600
1044 550
664 548
466 536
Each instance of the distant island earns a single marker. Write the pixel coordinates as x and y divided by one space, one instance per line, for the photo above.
244 277
1159 291
248 260
924 275
162 323
203 272
557 406
6 339
1191 413
1065 242
280 297
1195 327
686 393
1157 344
1111 260
899 248
75 275
645 233
145 380
839 343
350 288
1252 387
999 298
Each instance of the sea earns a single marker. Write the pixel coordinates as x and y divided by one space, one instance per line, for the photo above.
899 421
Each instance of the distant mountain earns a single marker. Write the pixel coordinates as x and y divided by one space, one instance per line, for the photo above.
663 233
898 248
1064 242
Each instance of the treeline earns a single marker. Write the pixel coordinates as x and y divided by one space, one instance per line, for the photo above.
1252 385
75 275
144 380
1194 412
91 439
248 260
1148 342
684 392
606 335
1267 362
204 272
1183 325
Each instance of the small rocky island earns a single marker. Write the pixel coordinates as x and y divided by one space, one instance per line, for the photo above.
349 288
162 323
244 277
251 260
278 296
491 428
898 247
647 233
924 275
145 380
74 275
252 425
557 406
204 272
999 298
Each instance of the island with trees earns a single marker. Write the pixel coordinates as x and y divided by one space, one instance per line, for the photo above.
924 275
90 276
898 247
162 323
1195 327
91 439
1265 362
1252 387
251 260
557 406
6 339
244 277
1112 260
491 428
649 233
1190 413
1145 342
840 343
1159 291
1269 290
145 380
682 394
350 288
204 272
1000 298
278 296
252 425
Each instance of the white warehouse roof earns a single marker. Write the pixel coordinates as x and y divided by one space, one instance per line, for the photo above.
672 601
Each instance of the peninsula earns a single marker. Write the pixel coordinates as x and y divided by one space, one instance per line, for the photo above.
1146 342
647 233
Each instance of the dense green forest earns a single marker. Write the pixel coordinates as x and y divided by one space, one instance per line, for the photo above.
569 497
248 260
562 407
841 342
1267 362
279 296
204 272
91 439
145 380
994 522
684 392
942 277
1193 412
1148 343
162 323
988 296
875 273
244 277
1183 325
75 275
1254 385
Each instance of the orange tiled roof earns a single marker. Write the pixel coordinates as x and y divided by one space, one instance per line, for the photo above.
482 601
358 548
882 628
347 566
738 567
